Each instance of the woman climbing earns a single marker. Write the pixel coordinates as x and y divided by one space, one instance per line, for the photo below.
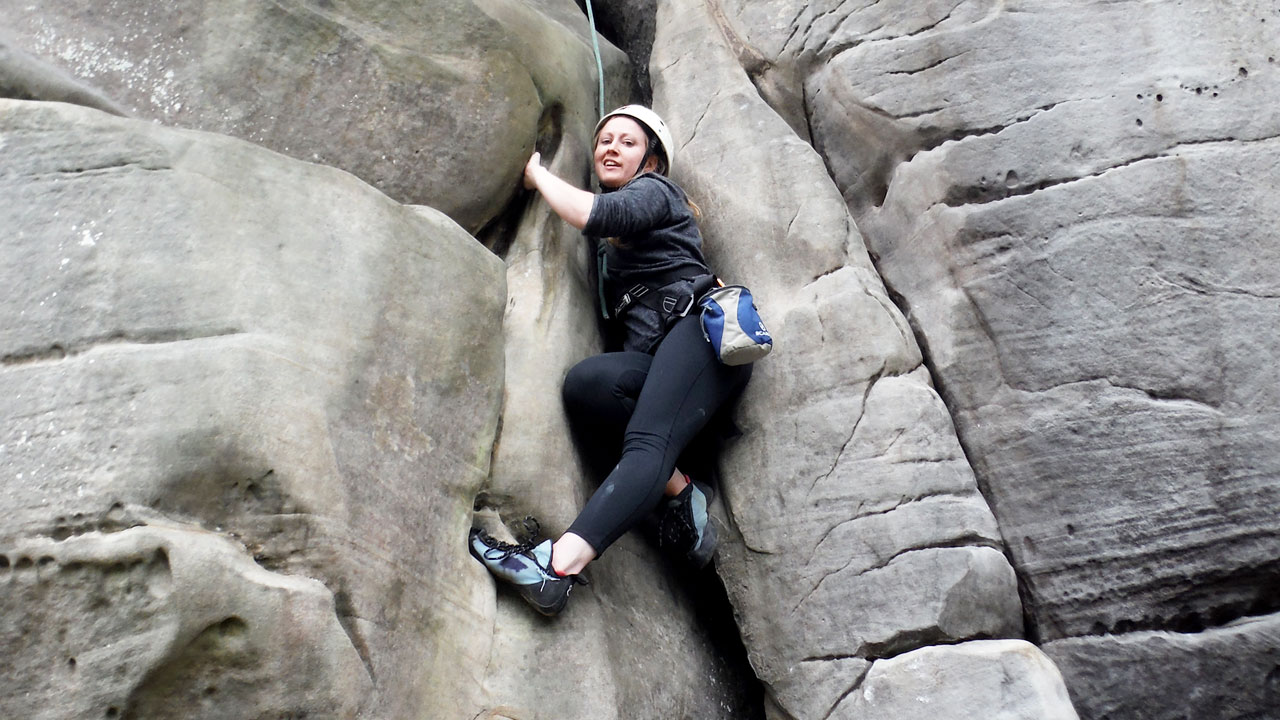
644 403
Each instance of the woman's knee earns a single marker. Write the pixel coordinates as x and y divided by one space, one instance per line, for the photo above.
604 383
583 383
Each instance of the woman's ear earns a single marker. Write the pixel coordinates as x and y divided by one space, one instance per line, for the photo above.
650 165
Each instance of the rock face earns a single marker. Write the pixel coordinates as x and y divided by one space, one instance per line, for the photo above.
1227 672
1005 678
1065 199
25 77
170 623
214 355
341 445
1013 457
406 95
861 533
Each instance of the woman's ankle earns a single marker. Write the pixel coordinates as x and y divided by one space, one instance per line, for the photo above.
676 483
571 554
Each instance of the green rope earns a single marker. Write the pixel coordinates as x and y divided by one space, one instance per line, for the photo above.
595 46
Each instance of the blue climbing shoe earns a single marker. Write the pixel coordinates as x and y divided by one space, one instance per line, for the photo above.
527 566
685 526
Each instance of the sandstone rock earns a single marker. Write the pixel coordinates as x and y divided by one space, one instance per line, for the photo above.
1066 200
168 623
214 355
1228 672
406 95
203 334
629 23
858 528
996 679
1100 243
24 77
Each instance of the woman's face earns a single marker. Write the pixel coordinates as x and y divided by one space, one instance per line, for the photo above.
620 147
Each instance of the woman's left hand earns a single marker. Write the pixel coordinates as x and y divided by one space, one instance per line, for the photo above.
530 168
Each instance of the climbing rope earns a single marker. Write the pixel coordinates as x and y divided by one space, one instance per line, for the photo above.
595 46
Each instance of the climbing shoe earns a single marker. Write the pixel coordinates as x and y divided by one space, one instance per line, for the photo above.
527 566
685 526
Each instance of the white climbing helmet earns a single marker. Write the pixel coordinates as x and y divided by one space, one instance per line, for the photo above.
649 119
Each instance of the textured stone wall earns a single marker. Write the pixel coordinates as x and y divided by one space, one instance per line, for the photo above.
1072 204
280 324
237 437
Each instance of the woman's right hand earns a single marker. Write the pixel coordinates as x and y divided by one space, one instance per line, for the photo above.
571 204
530 169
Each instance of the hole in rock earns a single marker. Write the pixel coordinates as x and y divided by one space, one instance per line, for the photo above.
500 232
1272 682
550 130
232 627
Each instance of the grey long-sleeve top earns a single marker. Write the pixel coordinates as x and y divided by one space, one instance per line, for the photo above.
658 243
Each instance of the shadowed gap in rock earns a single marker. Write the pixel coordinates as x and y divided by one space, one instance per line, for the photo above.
703 589
714 613
500 232
629 26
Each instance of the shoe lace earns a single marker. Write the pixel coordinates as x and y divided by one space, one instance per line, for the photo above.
502 550
532 537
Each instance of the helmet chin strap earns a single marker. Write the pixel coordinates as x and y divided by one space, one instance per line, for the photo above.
643 161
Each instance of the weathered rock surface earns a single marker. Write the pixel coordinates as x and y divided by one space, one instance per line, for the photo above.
264 477
1069 201
168 623
860 532
249 402
28 78
629 24
208 337
406 95
997 679
1227 672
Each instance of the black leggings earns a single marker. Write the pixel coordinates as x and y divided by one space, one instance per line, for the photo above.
654 405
